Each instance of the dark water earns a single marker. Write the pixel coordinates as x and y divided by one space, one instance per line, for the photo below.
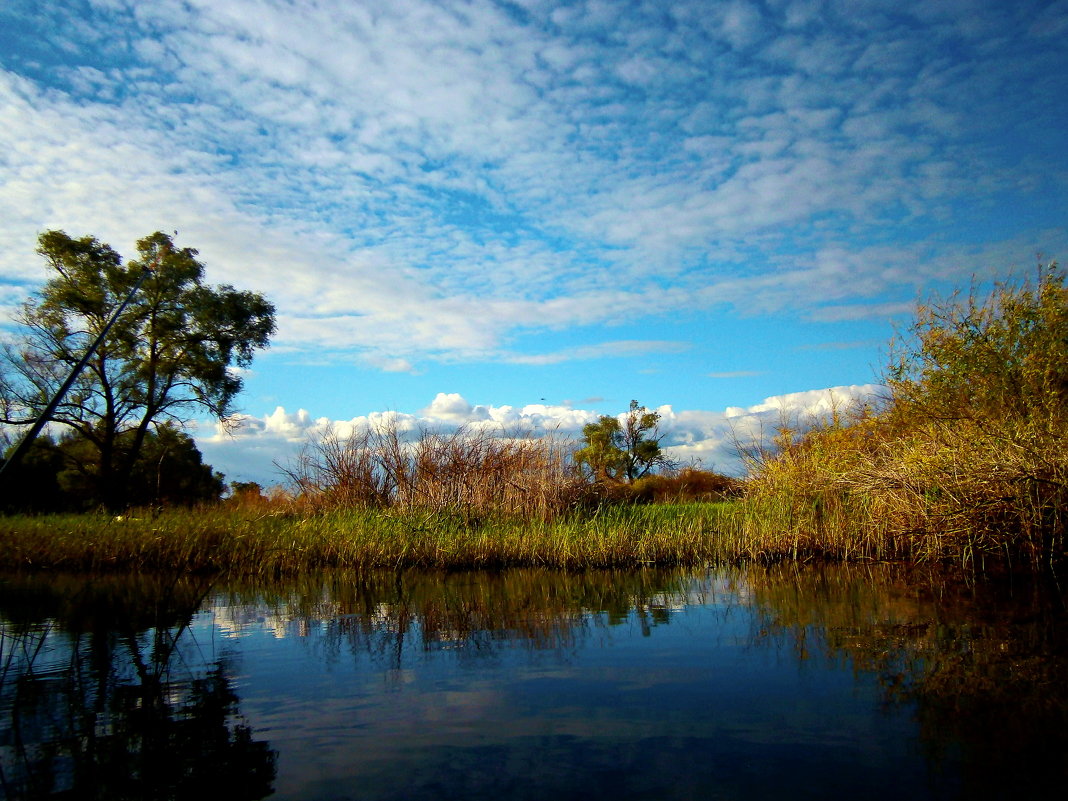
813 683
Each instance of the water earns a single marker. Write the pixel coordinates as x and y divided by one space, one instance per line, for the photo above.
809 683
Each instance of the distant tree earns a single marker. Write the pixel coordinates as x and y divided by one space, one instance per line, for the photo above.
56 477
622 449
33 485
249 489
246 493
170 351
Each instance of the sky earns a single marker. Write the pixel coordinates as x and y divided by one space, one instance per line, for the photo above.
529 213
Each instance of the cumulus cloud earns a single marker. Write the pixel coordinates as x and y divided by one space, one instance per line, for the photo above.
251 446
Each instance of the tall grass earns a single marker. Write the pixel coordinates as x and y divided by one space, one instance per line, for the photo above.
473 471
234 541
966 462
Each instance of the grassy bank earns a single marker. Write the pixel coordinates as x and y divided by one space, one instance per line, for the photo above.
240 542
965 460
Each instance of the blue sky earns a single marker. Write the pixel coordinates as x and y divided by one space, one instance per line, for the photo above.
536 211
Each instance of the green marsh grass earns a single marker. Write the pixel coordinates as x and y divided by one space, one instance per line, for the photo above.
237 542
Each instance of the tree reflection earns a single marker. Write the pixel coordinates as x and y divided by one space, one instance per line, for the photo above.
388 614
983 665
106 694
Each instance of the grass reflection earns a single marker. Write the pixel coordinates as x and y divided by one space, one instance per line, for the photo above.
983 665
380 612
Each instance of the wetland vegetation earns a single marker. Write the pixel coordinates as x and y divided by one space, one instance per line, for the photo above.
964 461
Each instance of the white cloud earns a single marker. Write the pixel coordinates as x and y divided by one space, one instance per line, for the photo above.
602 350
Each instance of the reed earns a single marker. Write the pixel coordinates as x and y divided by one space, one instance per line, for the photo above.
235 541
967 461
475 470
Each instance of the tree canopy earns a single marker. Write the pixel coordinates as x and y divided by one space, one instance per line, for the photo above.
994 357
624 449
170 352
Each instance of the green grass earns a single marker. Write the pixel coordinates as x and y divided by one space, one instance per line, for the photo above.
242 543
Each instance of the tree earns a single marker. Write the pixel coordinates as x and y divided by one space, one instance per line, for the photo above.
169 352
58 477
622 449
169 470
33 486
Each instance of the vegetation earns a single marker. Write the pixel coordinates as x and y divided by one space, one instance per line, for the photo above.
617 450
170 350
60 477
470 499
471 472
966 461
238 540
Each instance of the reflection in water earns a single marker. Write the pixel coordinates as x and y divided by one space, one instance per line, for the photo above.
750 684
984 665
384 615
105 695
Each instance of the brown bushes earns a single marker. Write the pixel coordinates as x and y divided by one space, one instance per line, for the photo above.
471 470
686 485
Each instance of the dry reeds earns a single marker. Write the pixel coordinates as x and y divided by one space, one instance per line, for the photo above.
968 461
473 471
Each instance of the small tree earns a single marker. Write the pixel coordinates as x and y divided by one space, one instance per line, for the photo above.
169 352
622 449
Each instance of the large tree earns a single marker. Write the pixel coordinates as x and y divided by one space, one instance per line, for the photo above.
622 449
169 353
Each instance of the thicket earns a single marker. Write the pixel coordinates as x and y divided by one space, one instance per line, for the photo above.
475 472
468 471
967 458
63 475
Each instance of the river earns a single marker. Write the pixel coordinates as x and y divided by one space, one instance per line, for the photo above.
813 682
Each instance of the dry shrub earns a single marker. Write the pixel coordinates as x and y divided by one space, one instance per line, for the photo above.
968 461
251 498
469 470
686 485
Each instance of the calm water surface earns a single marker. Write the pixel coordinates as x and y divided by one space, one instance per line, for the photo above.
809 683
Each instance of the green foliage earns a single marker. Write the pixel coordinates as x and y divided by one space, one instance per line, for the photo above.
62 476
169 352
622 450
1002 356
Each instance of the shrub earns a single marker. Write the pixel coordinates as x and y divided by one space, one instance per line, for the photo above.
686 485
968 460
472 471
